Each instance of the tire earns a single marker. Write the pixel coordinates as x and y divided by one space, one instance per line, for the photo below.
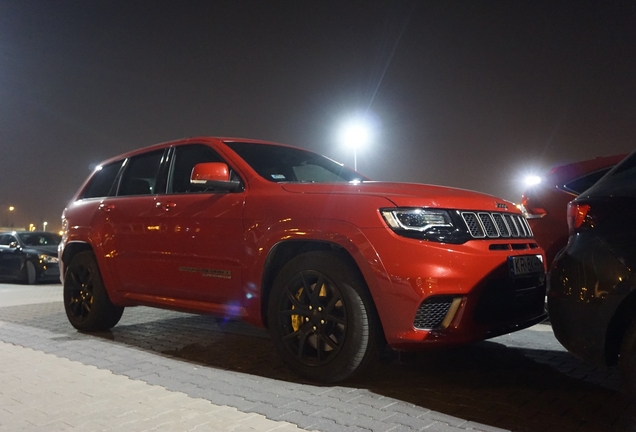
30 274
627 360
86 301
322 319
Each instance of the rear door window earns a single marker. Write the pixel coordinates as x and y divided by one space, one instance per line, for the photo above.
143 175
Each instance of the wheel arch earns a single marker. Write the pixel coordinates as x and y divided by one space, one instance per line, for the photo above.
70 250
282 252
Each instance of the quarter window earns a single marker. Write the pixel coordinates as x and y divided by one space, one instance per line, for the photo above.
101 185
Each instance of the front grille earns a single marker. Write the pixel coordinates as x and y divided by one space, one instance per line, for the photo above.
496 225
432 312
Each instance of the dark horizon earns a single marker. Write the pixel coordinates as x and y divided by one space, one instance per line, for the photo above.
463 94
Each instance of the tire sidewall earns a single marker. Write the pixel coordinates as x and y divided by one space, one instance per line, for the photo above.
103 314
360 334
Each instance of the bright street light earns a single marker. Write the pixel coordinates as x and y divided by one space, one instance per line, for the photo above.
44 224
532 180
356 135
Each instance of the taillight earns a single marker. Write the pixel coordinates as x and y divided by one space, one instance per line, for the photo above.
529 211
577 216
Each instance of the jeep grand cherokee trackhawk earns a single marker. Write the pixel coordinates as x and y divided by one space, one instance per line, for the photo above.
333 264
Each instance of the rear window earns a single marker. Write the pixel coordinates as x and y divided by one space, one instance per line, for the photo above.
620 181
585 182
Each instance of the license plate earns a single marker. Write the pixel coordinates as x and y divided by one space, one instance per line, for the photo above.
525 265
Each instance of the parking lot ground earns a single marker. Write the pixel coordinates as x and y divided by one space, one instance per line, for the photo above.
162 370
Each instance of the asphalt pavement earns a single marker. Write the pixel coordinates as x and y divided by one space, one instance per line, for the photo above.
163 370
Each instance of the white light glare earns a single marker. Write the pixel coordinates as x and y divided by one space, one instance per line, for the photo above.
532 180
356 135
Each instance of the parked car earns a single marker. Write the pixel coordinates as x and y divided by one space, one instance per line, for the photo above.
545 204
29 257
592 291
333 264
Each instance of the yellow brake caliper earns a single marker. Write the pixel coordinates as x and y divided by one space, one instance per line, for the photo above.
296 320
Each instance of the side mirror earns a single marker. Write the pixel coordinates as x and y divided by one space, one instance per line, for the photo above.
213 175
13 245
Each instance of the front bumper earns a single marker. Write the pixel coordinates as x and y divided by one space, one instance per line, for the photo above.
461 293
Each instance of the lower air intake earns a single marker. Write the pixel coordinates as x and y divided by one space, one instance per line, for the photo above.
432 312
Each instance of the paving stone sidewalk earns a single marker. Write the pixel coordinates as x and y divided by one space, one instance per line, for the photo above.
42 392
520 382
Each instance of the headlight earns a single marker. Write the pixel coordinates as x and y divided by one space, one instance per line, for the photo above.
424 224
48 259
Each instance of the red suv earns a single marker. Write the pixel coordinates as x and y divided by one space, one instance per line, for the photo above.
333 264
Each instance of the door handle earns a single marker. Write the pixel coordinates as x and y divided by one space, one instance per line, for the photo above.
106 207
165 206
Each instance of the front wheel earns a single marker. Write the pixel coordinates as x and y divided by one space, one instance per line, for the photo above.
86 301
322 319
30 275
627 360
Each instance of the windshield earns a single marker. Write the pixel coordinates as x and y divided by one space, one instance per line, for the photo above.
39 239
620 181
288 164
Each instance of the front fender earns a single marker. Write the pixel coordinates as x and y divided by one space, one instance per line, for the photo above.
342 234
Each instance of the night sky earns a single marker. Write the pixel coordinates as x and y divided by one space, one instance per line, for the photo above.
470 94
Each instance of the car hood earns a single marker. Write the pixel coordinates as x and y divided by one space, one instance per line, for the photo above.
410 195
47 250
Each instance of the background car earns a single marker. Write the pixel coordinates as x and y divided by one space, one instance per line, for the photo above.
592 289
545 204
29 256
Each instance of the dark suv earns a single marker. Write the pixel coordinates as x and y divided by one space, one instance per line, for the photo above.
333 264
592 296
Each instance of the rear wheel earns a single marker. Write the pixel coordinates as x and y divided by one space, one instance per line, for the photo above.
627 360
30 275
322 319
86 301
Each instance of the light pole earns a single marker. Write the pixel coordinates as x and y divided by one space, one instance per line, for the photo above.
355 135
44 224
11 210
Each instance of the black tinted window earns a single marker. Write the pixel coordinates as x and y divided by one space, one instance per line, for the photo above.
141 173
185 158
101 185
288 164
620 181
6 239
585 182
40 239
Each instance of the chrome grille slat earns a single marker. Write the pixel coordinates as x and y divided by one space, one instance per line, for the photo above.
489 225
514 232
474 227
501 225
496 225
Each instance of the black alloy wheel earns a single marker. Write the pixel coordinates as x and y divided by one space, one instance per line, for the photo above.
321 317
86 302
